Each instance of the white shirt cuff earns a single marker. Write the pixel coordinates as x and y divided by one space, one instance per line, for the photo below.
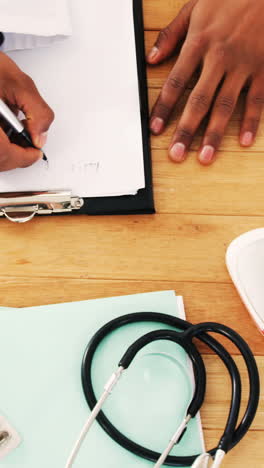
33 24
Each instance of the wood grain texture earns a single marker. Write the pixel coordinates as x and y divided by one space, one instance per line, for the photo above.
202 300
227 188
160 13
165 247
216 407
247 454
199 212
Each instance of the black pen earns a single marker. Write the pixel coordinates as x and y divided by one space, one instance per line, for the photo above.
17 126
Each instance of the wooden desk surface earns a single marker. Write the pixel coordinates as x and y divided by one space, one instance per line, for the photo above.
199 211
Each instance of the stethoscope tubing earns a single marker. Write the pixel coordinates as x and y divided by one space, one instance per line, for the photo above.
252 369
231 435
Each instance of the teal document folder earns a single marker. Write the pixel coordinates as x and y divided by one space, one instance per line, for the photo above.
41 350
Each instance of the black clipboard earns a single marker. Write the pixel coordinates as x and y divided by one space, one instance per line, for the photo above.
22 207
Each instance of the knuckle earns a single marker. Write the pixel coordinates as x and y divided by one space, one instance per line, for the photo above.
29 88
50 115
225 104
196 42
184 133
200 102
256 100
220 50
162 110
164 35
176 82
46 116
213 137
27 81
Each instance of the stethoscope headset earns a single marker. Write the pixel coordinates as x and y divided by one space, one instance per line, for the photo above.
233 432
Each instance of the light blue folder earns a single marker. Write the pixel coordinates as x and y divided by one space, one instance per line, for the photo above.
41 350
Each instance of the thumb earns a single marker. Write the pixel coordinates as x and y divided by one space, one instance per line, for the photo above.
39 115
170 36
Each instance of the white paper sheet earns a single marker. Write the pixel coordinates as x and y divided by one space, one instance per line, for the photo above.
90 81
31 23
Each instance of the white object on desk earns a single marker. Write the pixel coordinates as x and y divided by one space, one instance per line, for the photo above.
91 82
245 262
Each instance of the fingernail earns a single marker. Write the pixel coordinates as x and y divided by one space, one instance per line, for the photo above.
157 125
153 53
207 154
177 152
41 140
247 139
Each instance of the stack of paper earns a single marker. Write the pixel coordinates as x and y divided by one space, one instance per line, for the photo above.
41 350
90 81
34 24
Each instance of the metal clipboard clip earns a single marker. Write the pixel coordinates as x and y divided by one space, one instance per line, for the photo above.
21 207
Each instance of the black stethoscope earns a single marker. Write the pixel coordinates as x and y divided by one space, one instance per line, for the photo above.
233 432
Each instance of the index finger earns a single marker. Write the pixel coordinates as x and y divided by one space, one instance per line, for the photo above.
13 156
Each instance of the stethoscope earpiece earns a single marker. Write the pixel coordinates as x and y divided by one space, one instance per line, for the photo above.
203 461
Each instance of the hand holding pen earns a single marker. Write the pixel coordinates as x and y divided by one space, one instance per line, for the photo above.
22 147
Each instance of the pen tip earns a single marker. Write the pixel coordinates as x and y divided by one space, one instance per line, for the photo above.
44 157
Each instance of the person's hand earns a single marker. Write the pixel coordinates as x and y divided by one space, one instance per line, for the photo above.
20 94
227 38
